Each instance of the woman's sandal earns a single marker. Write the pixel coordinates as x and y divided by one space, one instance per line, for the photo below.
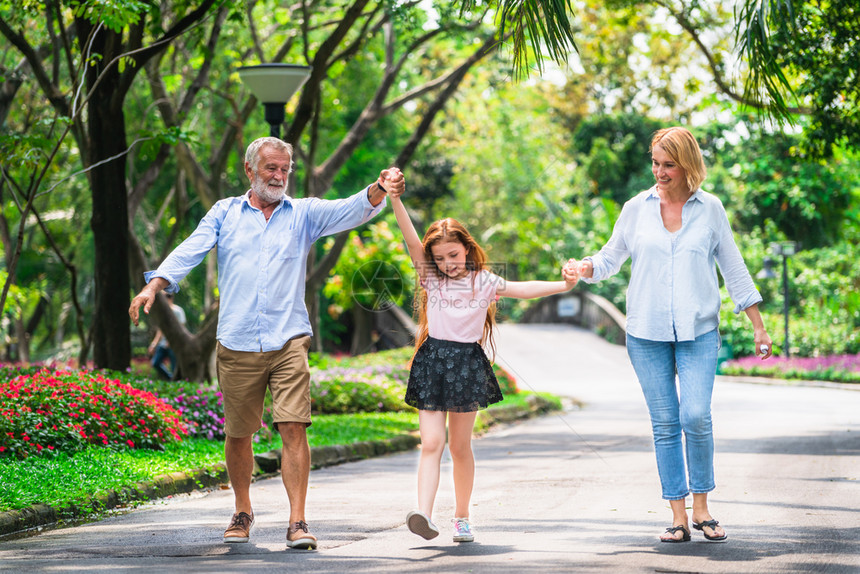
673 530
712 524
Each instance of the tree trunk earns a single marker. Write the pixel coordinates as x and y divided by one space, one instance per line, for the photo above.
109 222
22 341
362 338
193 352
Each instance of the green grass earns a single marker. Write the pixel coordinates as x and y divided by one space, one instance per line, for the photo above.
63 480
328 430
522 399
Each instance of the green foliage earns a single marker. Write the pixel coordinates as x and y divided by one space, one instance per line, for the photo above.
429 182
807 199
538 28
831 329
507 382
396 359
512 187
613 150
766 81
48 411
374 271
115 15
765 370
820 51
373 382
342 395
20 301
631 62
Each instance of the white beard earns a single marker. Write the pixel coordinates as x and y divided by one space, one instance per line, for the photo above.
265 193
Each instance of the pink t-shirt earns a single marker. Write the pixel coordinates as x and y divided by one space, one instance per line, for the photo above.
457 308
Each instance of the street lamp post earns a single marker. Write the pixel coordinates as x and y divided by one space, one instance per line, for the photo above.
274 85
785 249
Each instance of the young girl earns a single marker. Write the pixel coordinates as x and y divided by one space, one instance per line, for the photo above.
451 377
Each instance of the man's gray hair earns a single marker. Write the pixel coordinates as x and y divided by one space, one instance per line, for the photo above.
253 151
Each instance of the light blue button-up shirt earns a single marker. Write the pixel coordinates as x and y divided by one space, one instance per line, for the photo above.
674 294
262 265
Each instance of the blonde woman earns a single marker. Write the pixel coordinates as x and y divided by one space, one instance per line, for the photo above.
675 233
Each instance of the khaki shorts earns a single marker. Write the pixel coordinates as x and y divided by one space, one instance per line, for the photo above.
244 377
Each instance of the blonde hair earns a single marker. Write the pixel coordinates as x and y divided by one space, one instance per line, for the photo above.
446 231
682 147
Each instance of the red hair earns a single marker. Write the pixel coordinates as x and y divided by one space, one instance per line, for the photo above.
450 230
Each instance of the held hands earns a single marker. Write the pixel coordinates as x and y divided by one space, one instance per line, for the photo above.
392 181
582 268
571 273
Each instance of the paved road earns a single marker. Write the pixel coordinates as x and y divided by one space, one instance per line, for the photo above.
576 492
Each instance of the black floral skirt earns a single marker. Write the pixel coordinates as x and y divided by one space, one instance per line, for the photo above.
451 376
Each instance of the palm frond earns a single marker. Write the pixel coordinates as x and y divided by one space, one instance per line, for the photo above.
539 29
766 83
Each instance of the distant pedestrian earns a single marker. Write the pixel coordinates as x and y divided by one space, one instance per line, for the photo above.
451 377
263 238
674 233
160 350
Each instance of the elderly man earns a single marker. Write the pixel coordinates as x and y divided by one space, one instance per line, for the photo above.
263 239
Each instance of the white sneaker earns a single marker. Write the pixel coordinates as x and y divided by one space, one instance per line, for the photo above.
462 530
420 524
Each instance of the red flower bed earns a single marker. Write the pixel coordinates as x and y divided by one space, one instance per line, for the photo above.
51 411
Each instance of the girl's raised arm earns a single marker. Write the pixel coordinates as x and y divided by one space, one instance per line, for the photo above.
413 241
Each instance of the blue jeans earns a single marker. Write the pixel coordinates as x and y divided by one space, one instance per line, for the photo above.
682 406
158 357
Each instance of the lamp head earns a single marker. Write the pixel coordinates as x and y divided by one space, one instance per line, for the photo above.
273 85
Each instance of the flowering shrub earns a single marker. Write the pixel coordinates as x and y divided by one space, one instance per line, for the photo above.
507 382
370 389
203 410
50 411
841 368
200 405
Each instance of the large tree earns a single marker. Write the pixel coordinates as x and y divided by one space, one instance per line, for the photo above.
85 57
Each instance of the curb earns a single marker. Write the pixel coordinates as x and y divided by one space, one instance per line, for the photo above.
789 382
13 521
